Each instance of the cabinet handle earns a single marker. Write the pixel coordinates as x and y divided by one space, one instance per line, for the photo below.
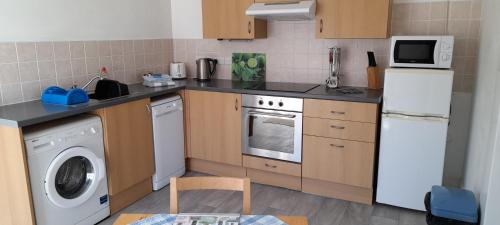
337 127
337 112
148 108
321 25
337 146
236 105
249 27
267 165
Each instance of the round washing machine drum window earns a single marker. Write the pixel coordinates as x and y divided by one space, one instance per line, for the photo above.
73 177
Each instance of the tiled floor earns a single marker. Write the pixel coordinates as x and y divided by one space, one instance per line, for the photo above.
278 201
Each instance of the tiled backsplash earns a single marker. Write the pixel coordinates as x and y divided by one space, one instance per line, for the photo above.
294 55
28 68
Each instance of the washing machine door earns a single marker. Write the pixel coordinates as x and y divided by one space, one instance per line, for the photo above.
73 177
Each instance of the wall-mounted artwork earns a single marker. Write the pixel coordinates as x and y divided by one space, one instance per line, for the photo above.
249 66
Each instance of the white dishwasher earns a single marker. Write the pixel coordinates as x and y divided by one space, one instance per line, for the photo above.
168 130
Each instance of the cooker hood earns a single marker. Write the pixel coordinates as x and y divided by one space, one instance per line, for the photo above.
286 10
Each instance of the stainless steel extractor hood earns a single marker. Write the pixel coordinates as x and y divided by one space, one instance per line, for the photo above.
286 10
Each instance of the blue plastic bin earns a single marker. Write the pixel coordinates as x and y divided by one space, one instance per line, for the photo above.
60 96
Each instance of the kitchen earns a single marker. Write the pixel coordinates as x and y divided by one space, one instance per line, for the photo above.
175 33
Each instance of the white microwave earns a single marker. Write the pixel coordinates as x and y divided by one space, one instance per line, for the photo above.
422 51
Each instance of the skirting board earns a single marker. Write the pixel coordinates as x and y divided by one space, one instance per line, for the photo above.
131 195
274 179
213 168
340 191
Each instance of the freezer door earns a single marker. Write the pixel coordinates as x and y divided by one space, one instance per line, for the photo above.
421 92
411 159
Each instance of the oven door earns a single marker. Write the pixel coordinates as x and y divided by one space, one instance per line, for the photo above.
273 134
415 52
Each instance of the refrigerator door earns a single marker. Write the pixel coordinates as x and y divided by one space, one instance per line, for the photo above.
420 92
411 160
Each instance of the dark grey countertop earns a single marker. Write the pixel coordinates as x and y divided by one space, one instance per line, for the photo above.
35 112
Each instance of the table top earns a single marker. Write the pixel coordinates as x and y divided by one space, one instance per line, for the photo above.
125 219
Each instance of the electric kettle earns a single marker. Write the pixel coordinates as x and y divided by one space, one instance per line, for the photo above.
205 68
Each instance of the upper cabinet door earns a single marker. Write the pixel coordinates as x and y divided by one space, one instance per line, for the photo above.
226 19
352 18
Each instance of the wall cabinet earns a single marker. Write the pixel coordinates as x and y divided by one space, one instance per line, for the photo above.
128 140
226 19
352 18
215 127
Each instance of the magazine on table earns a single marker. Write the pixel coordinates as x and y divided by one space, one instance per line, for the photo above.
207 219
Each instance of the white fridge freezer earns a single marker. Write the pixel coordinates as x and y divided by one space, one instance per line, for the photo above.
415 118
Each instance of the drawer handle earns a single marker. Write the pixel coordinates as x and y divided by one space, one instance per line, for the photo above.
337 127
337 146
321 26
271 166
337 112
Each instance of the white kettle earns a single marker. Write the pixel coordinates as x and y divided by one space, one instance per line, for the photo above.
178 70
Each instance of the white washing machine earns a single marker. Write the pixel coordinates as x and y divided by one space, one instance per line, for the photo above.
68 172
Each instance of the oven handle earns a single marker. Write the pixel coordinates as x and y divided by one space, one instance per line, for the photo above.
272 114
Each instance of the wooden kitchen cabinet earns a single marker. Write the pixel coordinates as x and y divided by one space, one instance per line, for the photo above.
215 127
128 140
226 19
353 18
339 149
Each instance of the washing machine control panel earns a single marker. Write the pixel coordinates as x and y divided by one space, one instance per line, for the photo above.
49 142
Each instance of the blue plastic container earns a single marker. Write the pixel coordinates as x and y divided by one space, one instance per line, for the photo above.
453 203
60 96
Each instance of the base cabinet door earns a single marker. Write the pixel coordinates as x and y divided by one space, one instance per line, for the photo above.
215 127
338 161
128 136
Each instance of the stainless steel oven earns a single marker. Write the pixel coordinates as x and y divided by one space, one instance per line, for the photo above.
272 127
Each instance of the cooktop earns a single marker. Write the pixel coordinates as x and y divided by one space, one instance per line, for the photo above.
286 87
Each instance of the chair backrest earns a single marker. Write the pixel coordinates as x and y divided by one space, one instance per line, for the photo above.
209 183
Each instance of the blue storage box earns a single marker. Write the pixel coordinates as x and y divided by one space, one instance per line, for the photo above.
60 96
453 204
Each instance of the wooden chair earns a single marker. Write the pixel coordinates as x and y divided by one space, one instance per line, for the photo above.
209 183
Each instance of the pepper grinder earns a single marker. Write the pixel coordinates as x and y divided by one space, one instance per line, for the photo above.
333 80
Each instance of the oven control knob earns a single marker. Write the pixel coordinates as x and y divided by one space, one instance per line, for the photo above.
280 104
270 103
261 102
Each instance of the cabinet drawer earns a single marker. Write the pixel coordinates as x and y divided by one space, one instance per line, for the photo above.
270 165
338 161
338 110
348 130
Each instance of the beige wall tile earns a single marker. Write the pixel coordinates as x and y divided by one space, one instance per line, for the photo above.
105 61
44 51
140 61
61 50
128 47
474 29
129 62
31 90
439 10
419 28
459 48
460 9
12 93
66 82
437 27
63 68
116 47
91 49
118 62
93 67
104 48
470 66
77 49
468 83
138 46
472 47
78 67
476 9
9 73
44 84
420 11
28 71
26 51
148 46
46 70
458 28
8 52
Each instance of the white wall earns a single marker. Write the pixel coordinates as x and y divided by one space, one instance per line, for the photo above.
187 19
485 131
62 20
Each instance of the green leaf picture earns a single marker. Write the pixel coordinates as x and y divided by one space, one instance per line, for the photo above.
249 66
